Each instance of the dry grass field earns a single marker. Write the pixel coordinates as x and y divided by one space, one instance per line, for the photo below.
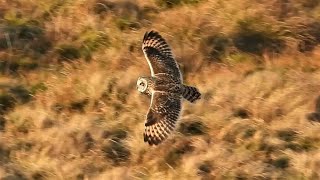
69 108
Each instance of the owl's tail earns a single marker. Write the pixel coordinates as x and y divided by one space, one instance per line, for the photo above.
190 93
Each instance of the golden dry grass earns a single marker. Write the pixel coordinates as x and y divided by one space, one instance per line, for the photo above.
70 109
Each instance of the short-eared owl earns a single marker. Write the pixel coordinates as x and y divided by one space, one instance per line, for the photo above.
165 88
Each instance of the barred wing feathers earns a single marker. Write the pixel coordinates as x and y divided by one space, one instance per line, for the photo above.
159 55
161 119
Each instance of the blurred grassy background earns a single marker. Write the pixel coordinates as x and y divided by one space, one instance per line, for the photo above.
69 108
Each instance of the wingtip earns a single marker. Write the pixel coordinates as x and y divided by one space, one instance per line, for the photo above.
145 35
153 140
150 34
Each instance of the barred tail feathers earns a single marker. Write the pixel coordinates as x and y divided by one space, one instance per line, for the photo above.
190 93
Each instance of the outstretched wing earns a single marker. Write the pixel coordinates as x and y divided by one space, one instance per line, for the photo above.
163 114
159 55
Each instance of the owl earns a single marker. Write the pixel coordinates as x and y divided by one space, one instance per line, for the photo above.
165 87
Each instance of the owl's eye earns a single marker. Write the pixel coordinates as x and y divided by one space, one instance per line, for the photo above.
141 84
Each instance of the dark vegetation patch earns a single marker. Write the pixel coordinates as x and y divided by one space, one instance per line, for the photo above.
7 102
15 176
101 7
117 152
173 158
68 52
86 142
115 135
292 141
39 175
25 40
192 128
215 47
79 105
269 148
23 126
174 3
23 146
168 3
115 149
127 15
58 107
317 104
148 13
205 168
28 44
16 64
120 8
308 35
21 94
39 87
253 36
92 41
124 23
287 135
281 162
2 123
73 106
239 132
241 176
248 133
314 117
83 46
127 11
47 123
241 113
11 96
53 9
4 154
310 4
303 146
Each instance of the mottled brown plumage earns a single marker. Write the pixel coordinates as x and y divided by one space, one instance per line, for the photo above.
165 88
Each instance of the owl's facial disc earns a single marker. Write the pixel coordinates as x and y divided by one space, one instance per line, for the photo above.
142 85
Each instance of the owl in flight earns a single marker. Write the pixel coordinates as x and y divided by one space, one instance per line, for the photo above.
165 87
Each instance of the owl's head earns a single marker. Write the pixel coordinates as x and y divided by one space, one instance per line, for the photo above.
142 84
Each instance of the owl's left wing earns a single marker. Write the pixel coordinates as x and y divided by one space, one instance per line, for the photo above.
159 55
161 119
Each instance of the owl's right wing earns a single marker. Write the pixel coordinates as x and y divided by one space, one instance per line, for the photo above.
161 119
159 55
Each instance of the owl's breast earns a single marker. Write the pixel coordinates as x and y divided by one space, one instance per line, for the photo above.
167 86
